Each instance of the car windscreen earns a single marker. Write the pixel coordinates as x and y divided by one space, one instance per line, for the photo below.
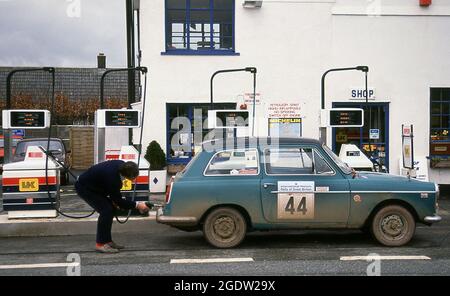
2 143
342 165
23 146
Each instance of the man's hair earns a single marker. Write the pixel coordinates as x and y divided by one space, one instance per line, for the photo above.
129 170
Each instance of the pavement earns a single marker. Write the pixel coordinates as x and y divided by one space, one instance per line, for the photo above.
72 205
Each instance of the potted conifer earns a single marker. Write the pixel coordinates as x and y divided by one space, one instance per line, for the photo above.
158 173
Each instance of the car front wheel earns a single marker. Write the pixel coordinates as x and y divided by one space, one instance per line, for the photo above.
393 226
225 228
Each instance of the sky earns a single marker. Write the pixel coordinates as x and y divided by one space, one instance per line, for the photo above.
62 33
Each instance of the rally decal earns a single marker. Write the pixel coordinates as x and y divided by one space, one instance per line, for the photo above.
295 200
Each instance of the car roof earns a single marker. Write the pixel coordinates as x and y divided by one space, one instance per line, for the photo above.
259 141
40 139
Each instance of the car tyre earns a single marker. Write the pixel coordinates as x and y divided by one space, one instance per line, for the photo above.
225 228
393 226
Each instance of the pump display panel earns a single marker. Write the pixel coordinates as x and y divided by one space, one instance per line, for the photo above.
26 119
118 118
346 117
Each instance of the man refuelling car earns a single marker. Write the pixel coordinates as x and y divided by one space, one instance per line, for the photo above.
100 188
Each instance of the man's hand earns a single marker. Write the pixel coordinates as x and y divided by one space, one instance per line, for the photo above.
142 208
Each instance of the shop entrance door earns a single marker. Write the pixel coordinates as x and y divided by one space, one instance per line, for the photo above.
378 113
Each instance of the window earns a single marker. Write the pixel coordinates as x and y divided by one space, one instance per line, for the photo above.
234 162
200 26
440 116
187 128
295 161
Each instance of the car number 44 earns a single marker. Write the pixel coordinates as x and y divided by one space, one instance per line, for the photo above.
295 206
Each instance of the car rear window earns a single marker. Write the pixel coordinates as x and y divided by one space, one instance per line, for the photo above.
234 162
23 146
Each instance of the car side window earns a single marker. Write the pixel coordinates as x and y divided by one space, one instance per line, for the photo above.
233 162
321 166
295 161
289 161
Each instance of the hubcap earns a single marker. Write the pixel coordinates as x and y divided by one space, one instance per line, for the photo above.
393 226
224 227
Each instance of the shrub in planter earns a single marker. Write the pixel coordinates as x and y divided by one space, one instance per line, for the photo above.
157 159
155 156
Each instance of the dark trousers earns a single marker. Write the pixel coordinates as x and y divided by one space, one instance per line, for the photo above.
103 205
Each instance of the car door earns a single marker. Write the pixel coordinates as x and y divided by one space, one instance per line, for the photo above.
302 185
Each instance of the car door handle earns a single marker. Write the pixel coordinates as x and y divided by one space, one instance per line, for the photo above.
266 185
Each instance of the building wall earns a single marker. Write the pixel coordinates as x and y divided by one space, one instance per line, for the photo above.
292 43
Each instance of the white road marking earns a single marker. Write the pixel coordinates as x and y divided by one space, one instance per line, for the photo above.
212 260
366 258
43 265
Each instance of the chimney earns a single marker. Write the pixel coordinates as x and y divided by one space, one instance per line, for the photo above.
101 61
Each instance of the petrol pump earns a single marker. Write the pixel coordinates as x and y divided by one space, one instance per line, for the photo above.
123 119
30 188
120 120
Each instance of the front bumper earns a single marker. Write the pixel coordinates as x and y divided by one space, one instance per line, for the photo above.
175 220
433 219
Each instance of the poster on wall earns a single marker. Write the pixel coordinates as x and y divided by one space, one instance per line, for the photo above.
285 127
283 110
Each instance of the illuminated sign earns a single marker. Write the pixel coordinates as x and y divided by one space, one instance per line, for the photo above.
26 119
126 118
346 117
122 118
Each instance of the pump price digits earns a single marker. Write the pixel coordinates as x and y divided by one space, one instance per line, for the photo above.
225 286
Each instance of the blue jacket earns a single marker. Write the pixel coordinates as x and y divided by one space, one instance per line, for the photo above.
104 179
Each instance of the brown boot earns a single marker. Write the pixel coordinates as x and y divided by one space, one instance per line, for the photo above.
107 249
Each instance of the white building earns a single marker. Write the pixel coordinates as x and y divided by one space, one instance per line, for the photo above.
292 43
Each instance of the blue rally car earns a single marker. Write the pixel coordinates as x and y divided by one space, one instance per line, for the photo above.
245 184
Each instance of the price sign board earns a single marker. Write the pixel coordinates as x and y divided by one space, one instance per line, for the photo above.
408 146
346 117
26 119
118 118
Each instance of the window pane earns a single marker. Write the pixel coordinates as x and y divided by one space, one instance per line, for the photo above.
436 108
320 165
435 94
234 162
223 16
289 161
446 94
435 121
445 108
200 4
178 4
223 4
176 29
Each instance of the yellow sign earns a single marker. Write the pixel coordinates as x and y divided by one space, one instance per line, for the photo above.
126 185
28 185
341 138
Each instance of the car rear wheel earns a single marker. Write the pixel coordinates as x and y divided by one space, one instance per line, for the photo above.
393 226
225 228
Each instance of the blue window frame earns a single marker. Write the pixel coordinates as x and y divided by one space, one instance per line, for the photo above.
200 27
360 136
440 121
181 146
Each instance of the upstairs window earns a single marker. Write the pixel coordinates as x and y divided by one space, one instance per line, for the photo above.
200 26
